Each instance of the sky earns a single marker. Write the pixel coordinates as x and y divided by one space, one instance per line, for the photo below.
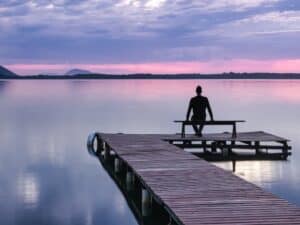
151 36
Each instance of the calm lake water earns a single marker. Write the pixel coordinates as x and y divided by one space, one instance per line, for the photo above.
48 177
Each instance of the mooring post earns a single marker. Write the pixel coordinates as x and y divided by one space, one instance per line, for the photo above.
129 180
146 203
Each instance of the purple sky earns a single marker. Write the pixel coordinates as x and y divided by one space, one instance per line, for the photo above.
116 36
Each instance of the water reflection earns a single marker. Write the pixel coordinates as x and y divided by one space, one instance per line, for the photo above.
3 85
28 189
44 125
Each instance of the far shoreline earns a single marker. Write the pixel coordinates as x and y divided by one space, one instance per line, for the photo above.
223 76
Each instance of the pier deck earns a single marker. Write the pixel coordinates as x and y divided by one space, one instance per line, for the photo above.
244 146
192 190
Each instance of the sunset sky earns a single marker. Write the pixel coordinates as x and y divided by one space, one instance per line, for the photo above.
157 36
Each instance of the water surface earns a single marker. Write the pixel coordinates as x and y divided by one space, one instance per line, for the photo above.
47 176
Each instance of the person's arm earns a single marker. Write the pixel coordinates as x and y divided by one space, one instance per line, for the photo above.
189 111
210 111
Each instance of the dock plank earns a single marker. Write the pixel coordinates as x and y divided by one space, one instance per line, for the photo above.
226 136
195 191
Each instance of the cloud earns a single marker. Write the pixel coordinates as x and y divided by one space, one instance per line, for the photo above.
118 18
238 5
145 31
217 66
267 23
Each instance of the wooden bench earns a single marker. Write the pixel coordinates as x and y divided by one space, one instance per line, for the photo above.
211 122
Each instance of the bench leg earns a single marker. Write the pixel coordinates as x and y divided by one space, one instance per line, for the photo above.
183 130
285 150
204 146
234 130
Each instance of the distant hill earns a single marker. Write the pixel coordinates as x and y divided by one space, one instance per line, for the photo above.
6 73
77 72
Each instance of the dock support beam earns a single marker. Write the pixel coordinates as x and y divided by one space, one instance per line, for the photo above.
106 151
146 203
256 144
204 146
225 149
129 181
233 166
117 165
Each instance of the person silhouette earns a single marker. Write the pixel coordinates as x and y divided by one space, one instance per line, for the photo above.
199 104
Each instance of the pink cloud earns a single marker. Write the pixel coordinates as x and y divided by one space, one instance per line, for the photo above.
217 66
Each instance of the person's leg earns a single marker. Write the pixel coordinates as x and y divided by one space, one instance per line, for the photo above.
195 127
201 127
200 130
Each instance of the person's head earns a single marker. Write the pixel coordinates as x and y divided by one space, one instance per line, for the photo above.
198 90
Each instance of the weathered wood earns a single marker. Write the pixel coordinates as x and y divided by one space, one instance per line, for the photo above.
194 191
211 122
259 141
247 137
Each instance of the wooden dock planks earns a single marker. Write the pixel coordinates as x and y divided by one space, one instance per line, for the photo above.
226 136
195 191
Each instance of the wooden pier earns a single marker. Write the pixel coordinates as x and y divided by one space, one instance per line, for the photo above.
190 189
244 146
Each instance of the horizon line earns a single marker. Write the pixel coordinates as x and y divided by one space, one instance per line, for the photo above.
176 67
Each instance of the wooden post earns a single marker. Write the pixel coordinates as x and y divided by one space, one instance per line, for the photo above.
183 130
225 152
106 151
146 203
99 144
231 146
204 146
129 181
233 165
214 147
285 150
117 165
224 148
234 130
256 144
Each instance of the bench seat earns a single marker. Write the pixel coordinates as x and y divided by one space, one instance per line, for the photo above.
209 122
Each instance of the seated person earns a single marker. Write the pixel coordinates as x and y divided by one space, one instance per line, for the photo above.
199 104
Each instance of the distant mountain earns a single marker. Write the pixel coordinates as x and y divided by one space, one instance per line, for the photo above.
77 72
6 73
